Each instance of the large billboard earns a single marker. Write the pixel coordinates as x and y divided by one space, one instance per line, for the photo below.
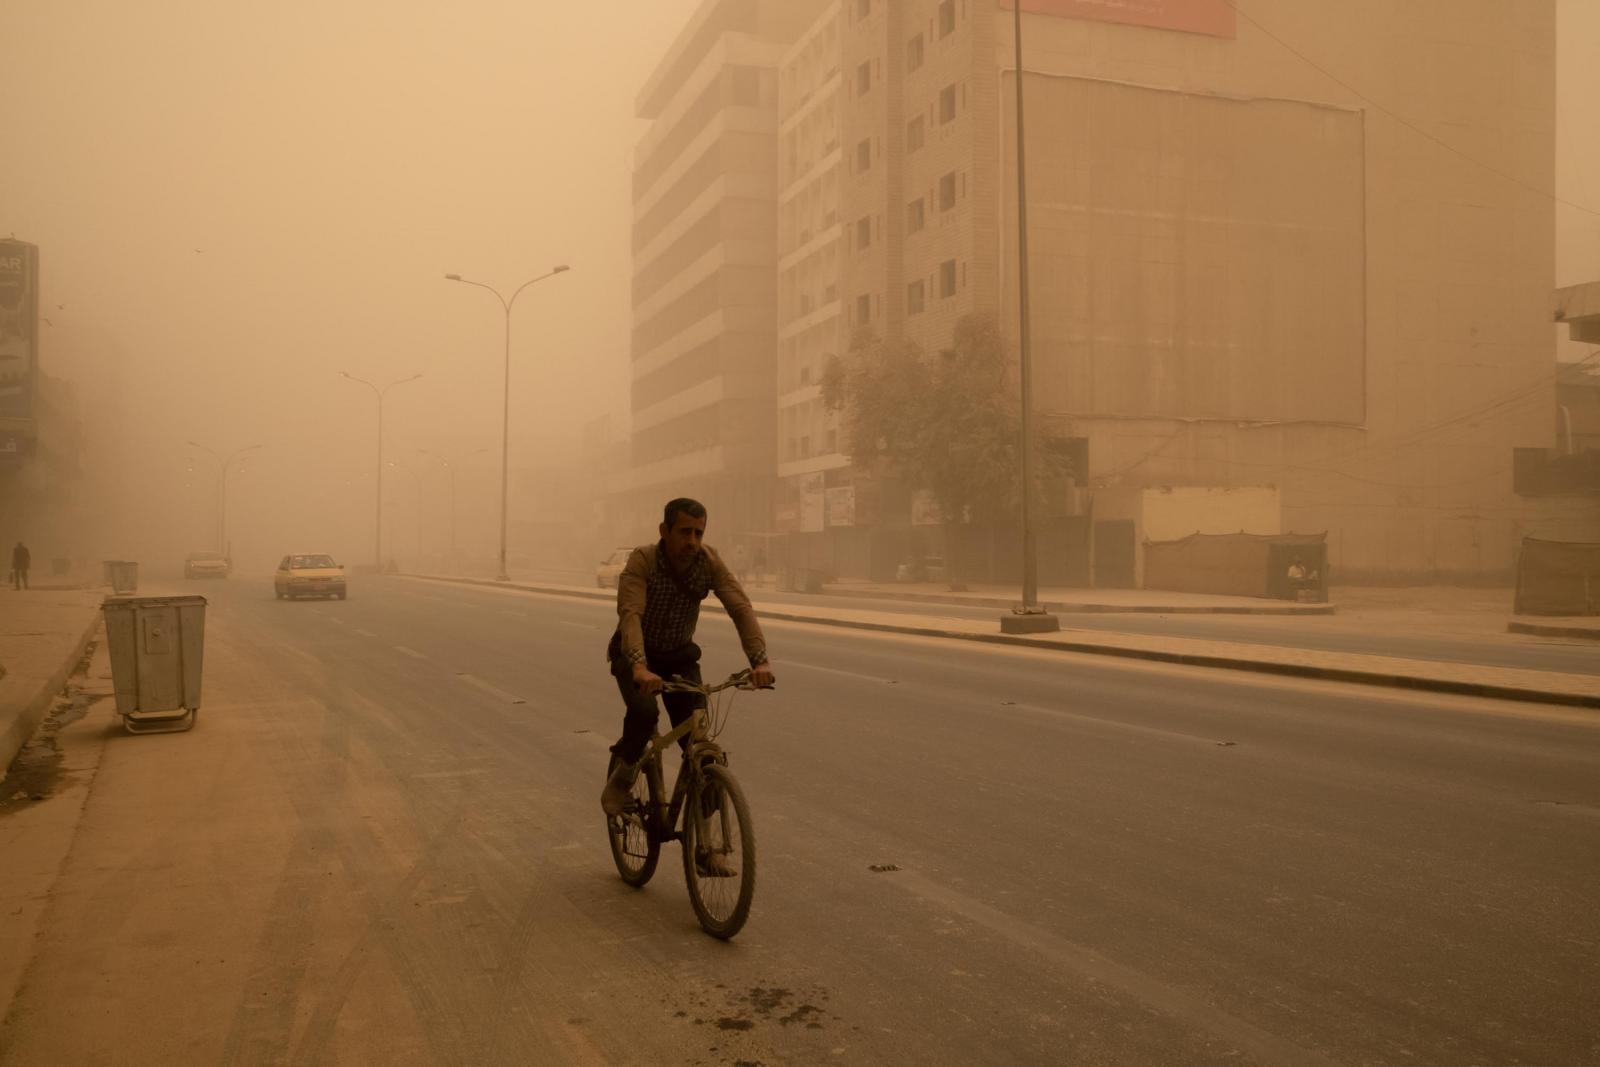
19 343
1213 17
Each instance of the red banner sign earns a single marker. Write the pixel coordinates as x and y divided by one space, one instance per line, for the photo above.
1213 17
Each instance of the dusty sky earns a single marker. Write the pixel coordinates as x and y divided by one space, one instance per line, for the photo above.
231 205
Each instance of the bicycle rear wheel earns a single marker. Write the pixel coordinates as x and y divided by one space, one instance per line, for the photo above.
719 853
634 846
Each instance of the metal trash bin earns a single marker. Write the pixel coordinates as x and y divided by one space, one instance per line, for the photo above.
124 576
156 644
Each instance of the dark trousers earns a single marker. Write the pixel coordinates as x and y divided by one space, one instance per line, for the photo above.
639 721
21 577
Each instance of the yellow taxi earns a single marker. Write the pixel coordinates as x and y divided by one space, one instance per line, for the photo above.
309 575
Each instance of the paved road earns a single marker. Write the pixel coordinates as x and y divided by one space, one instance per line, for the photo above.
383 845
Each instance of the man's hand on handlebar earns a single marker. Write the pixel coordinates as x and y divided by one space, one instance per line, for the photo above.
648 682
761 676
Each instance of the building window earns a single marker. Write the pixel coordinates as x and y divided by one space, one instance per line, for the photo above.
914 53
863 232
863 8
916 215
833 441
793 449
864 155
947 191
864 78
805 375
947 278
914 134
947 104
916 294
947 17
863 309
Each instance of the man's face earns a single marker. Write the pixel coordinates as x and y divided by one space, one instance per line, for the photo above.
682 539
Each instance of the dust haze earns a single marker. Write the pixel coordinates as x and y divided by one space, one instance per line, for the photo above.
242 217
232 207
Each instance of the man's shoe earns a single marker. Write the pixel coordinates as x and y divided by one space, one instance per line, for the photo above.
618 792
711 864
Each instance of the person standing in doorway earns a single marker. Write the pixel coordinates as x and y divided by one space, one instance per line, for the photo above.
21 560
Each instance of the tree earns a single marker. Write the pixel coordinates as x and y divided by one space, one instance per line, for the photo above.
950 423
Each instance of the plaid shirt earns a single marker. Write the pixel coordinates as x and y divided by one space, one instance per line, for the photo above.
657 611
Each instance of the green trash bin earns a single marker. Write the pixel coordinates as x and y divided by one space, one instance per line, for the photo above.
157 646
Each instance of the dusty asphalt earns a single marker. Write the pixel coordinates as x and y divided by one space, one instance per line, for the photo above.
382 844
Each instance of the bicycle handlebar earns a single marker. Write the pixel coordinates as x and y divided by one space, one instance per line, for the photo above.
741 680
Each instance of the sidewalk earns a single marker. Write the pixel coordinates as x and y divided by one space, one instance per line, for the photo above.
1069 601
1552 687
43 634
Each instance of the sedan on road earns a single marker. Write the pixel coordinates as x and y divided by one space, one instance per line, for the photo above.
309 575
206 565
611 569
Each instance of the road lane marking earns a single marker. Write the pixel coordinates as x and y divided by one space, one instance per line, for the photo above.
489 687
1170 1000
413 653
365 633
514 614
579 625
335 620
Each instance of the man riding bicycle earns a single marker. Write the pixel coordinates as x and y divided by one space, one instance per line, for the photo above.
658 605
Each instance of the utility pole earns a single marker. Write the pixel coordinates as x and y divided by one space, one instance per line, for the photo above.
1029 617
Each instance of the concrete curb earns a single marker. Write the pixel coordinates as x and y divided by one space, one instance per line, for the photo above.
15 733
1539 629
1293 670
1074 608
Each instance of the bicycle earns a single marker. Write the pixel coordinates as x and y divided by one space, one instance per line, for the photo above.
718 838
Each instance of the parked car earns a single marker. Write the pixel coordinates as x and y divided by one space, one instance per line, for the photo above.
207 565
309 575
607 575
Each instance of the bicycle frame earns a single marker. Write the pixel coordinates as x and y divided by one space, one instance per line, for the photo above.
702 749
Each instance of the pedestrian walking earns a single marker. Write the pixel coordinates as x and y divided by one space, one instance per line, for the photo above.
21 560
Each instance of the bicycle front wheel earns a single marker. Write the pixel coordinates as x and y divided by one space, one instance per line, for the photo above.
719 852
634 845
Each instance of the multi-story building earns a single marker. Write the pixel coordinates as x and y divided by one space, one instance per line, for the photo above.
810 245
1295 263
1291 260
705 265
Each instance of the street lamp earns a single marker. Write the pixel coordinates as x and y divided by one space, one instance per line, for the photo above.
451 467
505 415
223 469
377 541
1030 617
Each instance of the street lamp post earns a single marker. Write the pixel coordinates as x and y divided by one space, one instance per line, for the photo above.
451 468
223 470
505 399
1029 617
377 540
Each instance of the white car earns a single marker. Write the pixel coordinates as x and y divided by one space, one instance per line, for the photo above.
206 565
609 571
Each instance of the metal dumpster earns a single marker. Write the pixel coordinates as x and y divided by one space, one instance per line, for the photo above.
156 644
124 576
